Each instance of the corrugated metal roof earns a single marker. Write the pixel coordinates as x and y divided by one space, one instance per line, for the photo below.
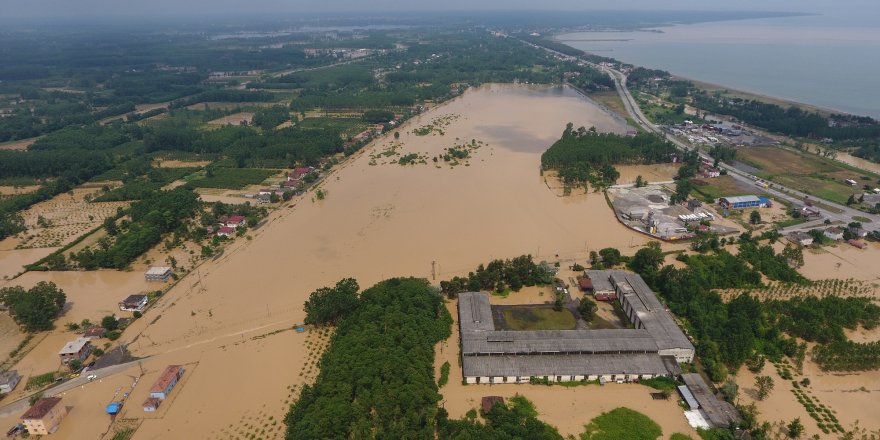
562 365
742 199
688 397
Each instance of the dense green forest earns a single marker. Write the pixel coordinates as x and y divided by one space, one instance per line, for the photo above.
36 308
729 333
585 156
377 375
792 121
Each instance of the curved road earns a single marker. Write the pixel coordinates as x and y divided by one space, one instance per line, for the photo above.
844 214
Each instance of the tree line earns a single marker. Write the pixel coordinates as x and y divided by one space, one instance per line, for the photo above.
585 156
377 375
499 275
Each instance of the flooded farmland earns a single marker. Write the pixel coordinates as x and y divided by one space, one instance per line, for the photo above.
379 219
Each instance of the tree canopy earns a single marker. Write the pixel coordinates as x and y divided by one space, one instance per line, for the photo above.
35 308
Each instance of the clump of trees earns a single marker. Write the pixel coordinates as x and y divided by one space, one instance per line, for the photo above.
584 156
499 275
329 304
35 308
587 308
377 375
517 418
161 212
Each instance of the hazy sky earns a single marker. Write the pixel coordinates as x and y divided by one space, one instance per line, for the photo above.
134 8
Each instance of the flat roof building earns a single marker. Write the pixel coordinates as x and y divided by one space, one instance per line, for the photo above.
652 349
743 202
78 348
44 417
8 381
158 273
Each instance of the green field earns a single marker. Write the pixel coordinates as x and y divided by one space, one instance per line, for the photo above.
809 173
622 424
231 178
711 189
535 318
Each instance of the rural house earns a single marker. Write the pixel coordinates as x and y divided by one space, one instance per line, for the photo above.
8 381
44 417
158 273
134 303
834 233
801 238
166 382
78 348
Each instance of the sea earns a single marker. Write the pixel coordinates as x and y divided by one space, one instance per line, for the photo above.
828 60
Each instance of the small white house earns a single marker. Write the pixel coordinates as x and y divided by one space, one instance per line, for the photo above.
834 233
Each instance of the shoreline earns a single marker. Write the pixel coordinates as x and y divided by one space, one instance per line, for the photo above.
712 86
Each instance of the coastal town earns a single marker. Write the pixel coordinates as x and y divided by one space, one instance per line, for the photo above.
535 241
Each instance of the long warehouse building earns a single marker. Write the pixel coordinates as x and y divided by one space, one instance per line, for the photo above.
654 348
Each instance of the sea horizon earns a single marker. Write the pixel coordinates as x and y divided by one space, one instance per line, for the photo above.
817 60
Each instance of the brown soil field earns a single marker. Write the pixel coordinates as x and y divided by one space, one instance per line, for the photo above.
143 108
7 190
18 145
234 119
651 173
228 105
69 216
166 163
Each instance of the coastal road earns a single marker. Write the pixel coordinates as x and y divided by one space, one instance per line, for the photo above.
838 213
844 214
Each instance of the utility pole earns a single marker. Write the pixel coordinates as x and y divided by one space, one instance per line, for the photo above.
433 270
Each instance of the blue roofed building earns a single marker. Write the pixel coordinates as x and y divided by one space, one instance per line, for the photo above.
743 202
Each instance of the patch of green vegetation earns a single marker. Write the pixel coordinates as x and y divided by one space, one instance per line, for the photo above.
679 436
444 374
660 383
39 381
622 424
538 318
232 178
861 219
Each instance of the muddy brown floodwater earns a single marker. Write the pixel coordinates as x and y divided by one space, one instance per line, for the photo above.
377 221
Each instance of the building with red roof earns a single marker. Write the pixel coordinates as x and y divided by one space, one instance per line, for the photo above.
44 417
166 382
235 221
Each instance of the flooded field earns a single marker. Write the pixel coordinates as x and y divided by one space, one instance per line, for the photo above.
377 221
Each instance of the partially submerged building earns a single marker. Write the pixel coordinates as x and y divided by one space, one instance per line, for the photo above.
8 381
134 303
654 348
158 273
719 413
78 348
44 417
166 382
